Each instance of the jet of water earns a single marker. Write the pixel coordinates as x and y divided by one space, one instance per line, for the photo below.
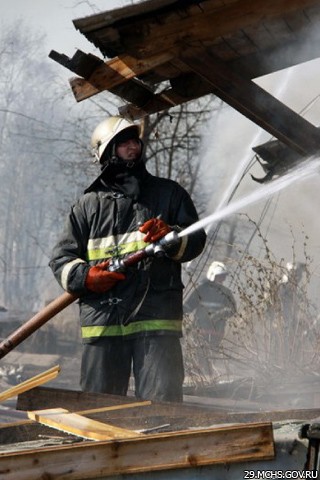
305 170
246 160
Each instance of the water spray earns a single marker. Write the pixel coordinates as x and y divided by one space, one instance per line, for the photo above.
305 170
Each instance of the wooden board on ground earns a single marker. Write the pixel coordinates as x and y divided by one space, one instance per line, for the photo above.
76 424
221 445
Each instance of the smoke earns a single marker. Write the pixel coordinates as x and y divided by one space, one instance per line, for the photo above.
304 171
290 223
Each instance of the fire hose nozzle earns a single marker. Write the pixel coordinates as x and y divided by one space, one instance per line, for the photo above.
160 247
154 249
172 238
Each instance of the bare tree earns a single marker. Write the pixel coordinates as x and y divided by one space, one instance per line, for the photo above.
173 140
30 127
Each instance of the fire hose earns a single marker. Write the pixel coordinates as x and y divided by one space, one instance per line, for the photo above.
60 303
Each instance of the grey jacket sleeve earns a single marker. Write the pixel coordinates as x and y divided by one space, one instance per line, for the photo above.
185 215
68 260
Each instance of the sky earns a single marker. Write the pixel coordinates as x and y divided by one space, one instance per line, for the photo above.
54 19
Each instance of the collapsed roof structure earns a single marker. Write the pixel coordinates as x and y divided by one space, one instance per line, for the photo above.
163 53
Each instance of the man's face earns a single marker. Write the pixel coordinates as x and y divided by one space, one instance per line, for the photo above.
129 150
220 278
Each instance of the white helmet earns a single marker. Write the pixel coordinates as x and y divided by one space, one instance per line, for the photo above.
216 268
106 131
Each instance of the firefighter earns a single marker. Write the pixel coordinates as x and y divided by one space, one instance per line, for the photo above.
212 304
130 320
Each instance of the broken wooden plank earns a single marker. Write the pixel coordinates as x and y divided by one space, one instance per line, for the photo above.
63 420
40 379
113 73
147 453
81 63
111 408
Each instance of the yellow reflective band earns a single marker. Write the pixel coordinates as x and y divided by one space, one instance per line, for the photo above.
134 327
122 244
100 254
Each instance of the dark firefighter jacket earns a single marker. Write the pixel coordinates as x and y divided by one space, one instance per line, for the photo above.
104 224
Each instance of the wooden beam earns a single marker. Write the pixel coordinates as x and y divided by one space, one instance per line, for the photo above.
165 451
73 400
194 412
81 63
256 104
157 103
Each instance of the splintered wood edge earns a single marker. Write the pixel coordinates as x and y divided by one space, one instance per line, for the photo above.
40 379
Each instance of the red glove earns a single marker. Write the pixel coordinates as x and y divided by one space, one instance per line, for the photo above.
155 228
100 280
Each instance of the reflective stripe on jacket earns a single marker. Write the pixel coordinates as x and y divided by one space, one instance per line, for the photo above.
132 328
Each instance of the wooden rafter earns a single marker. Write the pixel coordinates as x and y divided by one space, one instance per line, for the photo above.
99 76
256 104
